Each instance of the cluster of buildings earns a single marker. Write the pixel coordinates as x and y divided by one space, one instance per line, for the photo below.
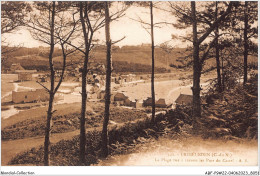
97 80
38 95
120 79
120 99
23 75
184 100
33 96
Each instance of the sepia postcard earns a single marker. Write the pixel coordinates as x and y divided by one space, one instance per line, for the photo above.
129 83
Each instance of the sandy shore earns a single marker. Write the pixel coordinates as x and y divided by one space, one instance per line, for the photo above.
169 90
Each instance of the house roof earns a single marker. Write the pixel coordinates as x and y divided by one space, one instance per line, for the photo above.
16 66
25 71
119 94
184 99
148 100
161 101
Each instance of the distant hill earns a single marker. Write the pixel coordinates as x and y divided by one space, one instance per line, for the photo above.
141 55
135 59
125 59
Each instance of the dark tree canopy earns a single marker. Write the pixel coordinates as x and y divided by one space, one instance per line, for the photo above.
13 14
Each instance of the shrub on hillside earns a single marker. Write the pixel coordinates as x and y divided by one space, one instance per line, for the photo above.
65 152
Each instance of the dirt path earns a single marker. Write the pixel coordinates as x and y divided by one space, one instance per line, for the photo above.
175 92
13 147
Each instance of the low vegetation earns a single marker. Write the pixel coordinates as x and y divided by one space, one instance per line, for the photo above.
65 153
68 122
233 113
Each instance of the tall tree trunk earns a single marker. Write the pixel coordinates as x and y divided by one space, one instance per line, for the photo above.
196 72
223 75
51 92
217 53
82 149
152 76
108 83
245 41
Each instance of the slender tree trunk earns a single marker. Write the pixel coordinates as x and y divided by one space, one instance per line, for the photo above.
82 149
217 53
196 72
51 93
152 76
223 75
245 41
47 132
108 83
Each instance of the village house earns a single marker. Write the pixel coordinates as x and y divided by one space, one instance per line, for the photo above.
119 103
30 96
184 100
15 66
147 102
119 97
160 103
25 75
133 103
138 104
128 102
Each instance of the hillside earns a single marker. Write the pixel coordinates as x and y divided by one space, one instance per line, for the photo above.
141 55
125 59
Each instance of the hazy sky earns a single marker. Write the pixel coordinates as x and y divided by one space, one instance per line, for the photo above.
133 31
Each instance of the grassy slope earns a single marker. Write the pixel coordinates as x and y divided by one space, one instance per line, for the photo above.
31 123
39 113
